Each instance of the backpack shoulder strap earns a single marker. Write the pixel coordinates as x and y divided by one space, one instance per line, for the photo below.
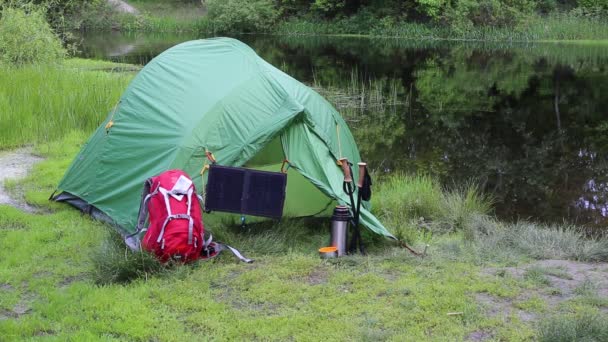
133 240
212 249
143 206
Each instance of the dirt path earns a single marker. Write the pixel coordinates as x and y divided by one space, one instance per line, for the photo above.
558 281
15 165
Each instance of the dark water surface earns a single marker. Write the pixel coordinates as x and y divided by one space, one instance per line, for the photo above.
527 122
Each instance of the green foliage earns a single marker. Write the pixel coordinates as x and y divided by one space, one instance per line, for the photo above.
432 8
292 7
241 15
26 38
328 7
467 14
56 11
593 4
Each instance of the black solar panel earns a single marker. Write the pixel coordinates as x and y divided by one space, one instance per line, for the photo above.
225 189
245 191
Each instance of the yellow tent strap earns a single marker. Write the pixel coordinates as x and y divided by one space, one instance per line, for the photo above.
205 168
111 122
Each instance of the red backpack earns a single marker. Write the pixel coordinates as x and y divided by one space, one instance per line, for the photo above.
176 228
176 225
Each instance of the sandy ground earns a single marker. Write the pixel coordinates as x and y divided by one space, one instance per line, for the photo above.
566 279
14 165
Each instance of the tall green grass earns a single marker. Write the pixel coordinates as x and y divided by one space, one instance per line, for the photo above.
415 204
42 103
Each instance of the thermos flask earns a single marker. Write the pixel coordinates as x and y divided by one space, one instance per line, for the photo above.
339 228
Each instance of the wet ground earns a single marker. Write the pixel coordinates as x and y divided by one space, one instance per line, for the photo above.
14 165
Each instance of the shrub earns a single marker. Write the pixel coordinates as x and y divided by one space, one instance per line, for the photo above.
241 15
26 38
328 7
466 14
431 8
593 4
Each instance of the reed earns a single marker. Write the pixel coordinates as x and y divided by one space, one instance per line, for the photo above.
43 102
362 94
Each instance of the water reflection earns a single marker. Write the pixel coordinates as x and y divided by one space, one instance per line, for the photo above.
593 201
528 122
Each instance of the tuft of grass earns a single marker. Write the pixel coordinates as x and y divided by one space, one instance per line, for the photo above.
415 204
558 272
403 197
586 289
114 262
462 205
536 276
534 304
585 326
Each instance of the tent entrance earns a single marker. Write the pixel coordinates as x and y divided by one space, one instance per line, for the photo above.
302 197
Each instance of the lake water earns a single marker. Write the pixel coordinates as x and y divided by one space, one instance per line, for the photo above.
529 122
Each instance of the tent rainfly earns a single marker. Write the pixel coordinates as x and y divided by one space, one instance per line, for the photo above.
213 95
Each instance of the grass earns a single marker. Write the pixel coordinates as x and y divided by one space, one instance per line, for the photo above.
66 277
43 103
53 284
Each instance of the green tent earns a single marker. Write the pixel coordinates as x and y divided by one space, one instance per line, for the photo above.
213 95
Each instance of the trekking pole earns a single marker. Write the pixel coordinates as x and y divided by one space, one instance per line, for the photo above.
347 186
358 240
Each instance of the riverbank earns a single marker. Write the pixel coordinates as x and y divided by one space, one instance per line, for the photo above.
548 29
173 16
65 276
